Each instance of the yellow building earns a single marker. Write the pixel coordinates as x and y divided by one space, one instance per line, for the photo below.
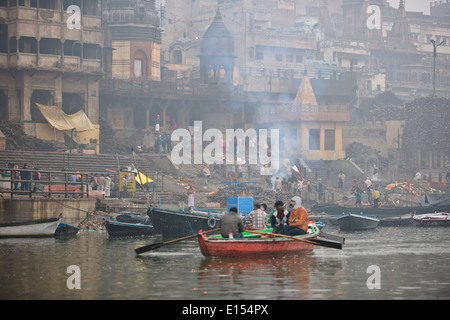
308 129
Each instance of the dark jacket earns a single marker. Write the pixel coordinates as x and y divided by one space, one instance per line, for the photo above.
231 221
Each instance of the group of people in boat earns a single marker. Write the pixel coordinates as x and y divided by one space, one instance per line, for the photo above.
292 222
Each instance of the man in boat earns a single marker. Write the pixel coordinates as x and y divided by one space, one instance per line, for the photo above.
232 222
257 218
298 219
279 217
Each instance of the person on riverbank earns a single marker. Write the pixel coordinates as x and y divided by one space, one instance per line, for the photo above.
231 223
341 179
298 219
277 184
257 218
376 197
279 218
25 175
36 177
107 186
16 176
190 194
358 198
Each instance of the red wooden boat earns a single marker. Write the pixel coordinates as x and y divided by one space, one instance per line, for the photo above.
256 245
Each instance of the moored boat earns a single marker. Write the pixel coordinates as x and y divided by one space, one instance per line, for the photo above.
381 212
29 228
400 221
124 229
439 219
173 224
253 245
132 218
65 229
350 222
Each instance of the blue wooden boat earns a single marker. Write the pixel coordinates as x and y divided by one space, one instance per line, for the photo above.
350 222
65 229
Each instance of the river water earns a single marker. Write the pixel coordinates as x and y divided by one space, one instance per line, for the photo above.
386 263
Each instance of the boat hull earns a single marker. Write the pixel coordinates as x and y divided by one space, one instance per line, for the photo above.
174 224
132 218
64 229
350 222
437 219
123 229
396 221
380 212
29 228
254 247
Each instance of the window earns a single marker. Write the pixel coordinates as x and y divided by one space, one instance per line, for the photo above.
139 64
279 57
329 140
293 138
177 57
251 54
299 59
289 58
259 55
138 68
314 139
50 46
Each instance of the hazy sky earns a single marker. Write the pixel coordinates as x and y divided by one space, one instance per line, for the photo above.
414 5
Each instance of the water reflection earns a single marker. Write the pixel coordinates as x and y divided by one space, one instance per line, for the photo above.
413 263
280 278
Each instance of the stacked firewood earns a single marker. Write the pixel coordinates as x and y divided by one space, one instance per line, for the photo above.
16 139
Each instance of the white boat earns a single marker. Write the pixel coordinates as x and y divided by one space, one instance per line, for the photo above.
432 219
29 228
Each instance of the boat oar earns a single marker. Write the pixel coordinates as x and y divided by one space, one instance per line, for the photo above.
317 242
332 237
160 244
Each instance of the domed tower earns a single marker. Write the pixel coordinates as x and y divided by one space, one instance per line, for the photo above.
217 53
136 39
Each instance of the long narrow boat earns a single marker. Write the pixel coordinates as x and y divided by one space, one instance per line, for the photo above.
437 219
350 222
124 229
252 245
29 228
401 221
173 224
382 211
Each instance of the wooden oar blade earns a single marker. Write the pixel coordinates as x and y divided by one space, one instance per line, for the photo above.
315 241
328 243
160 244
148 247
332 237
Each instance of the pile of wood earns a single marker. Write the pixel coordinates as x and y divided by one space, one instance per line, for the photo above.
16 139
421 187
